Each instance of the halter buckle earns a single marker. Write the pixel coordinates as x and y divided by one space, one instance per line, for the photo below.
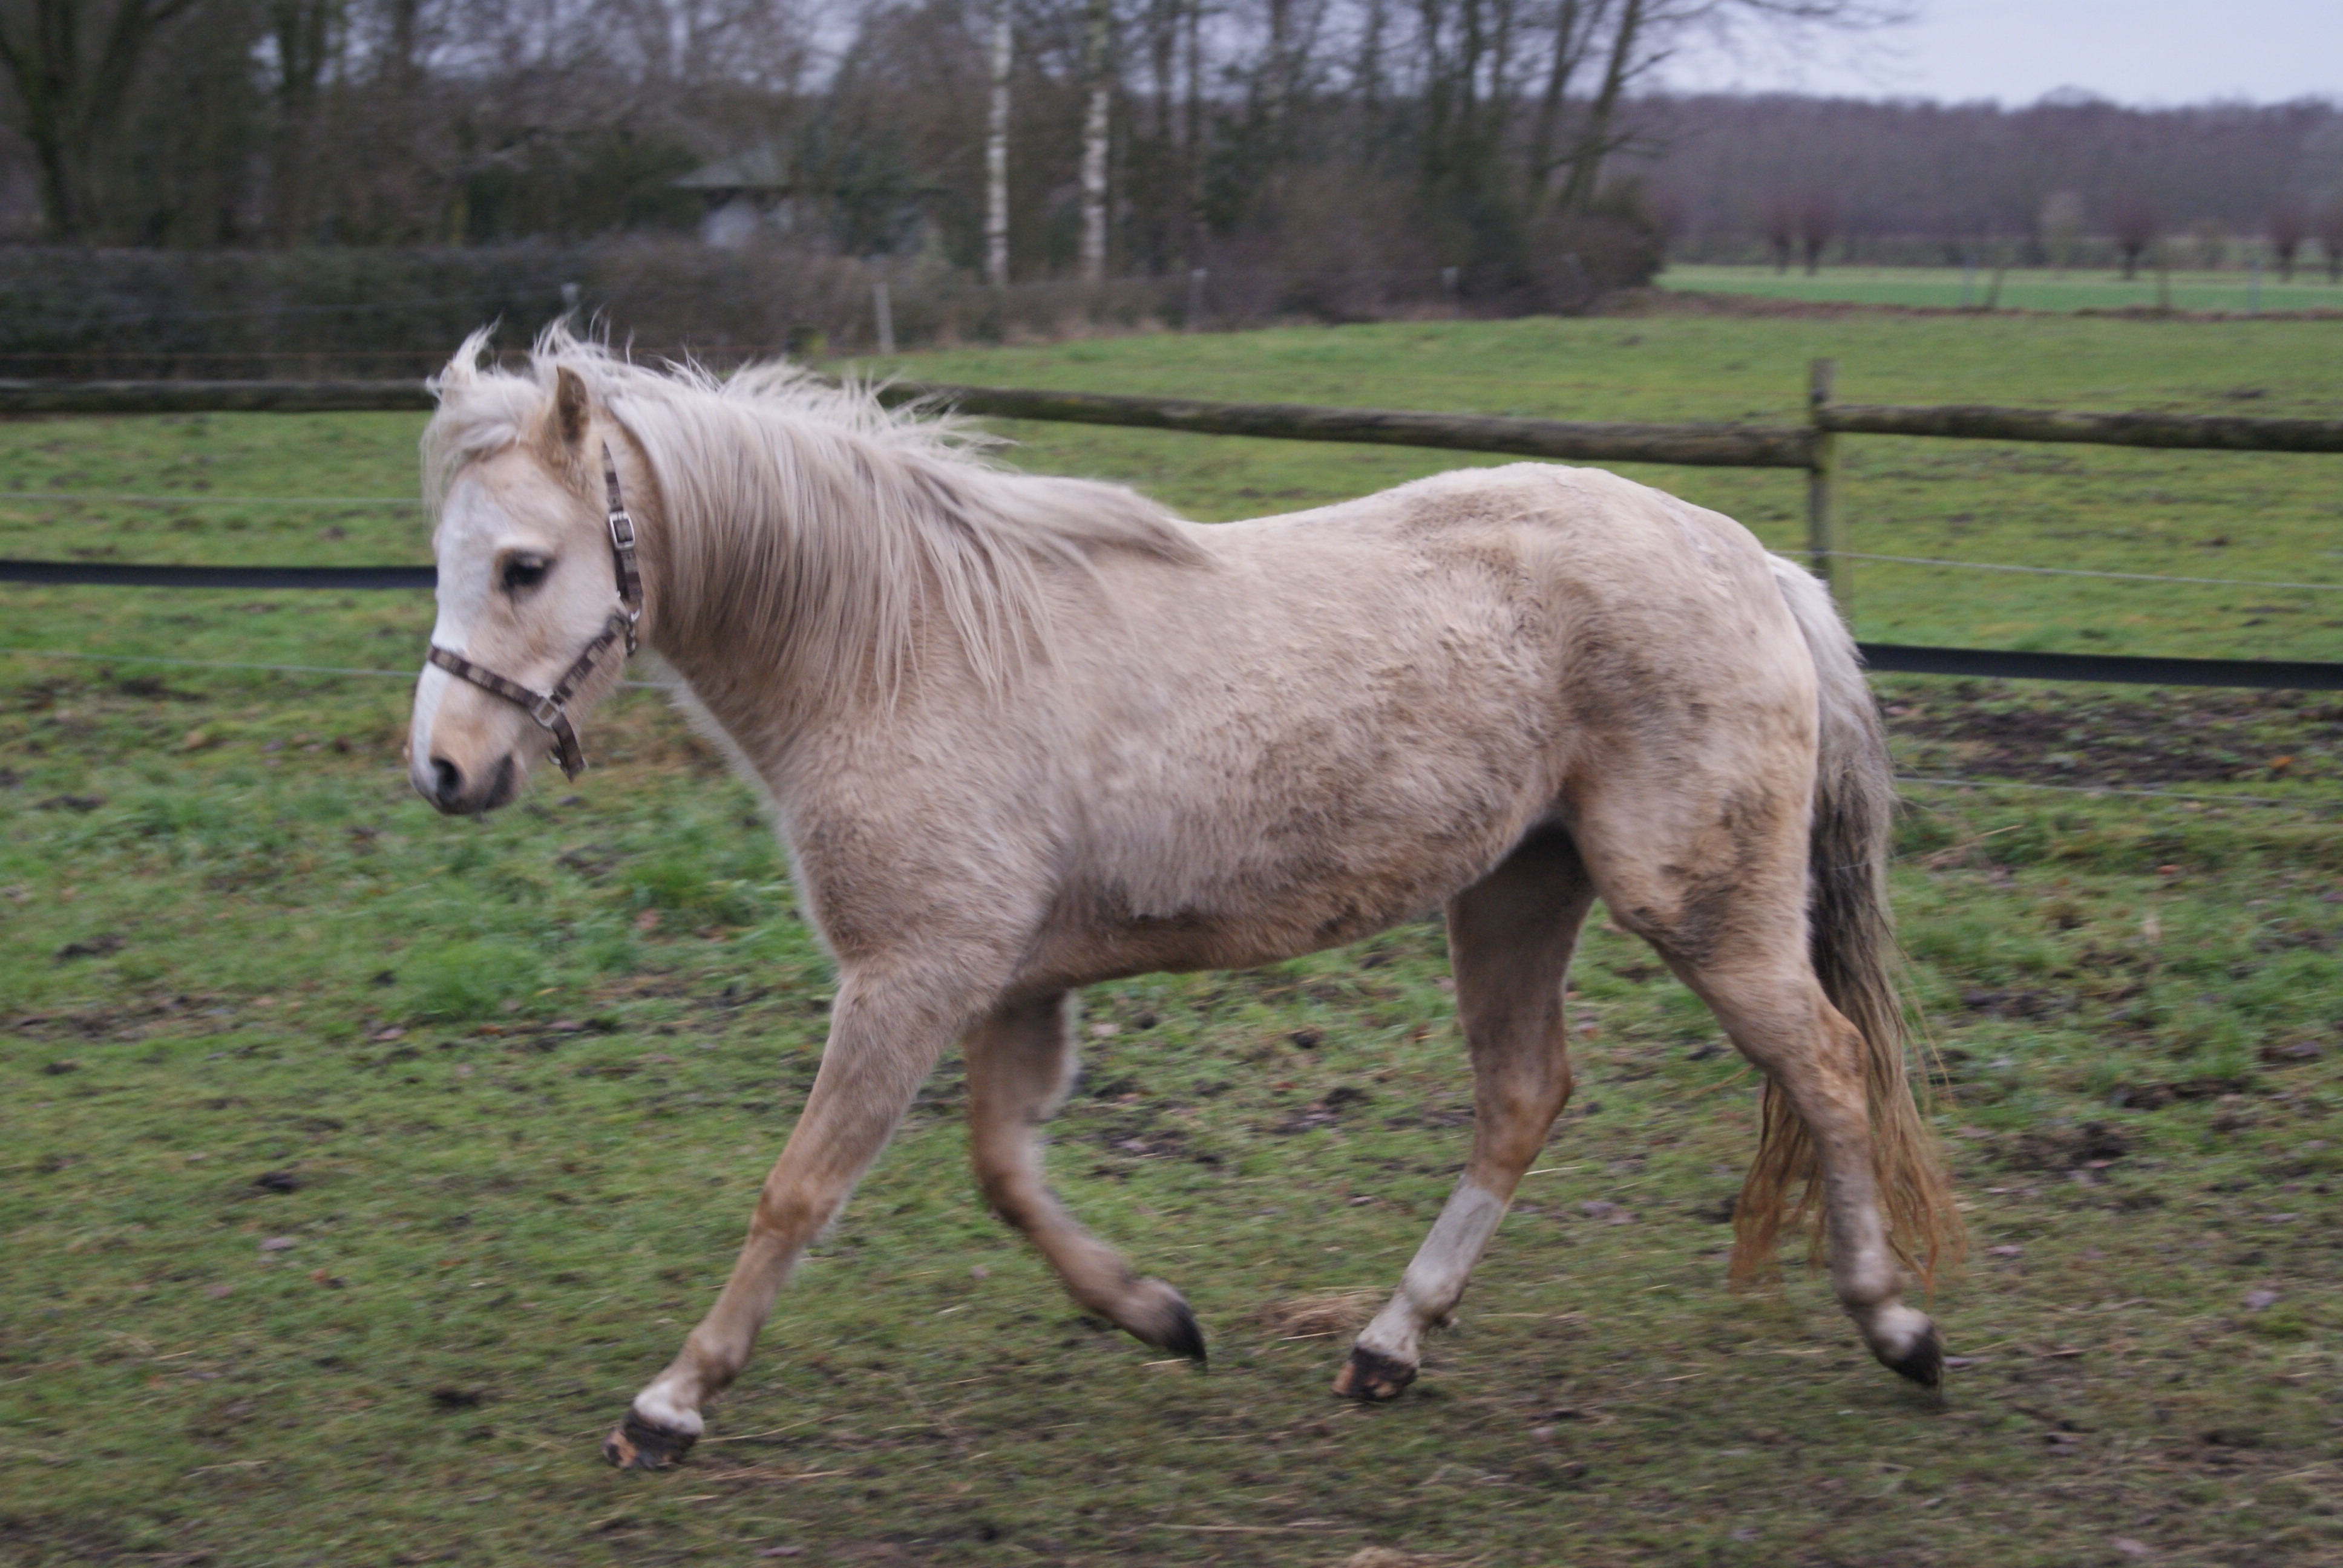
545 710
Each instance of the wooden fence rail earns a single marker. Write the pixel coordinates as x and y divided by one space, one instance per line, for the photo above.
1702 444
215 397
1717 445
2199 432
1813 445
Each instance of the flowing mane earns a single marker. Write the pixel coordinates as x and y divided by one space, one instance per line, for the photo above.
805 514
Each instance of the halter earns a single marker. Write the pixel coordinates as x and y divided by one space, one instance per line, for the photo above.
550 709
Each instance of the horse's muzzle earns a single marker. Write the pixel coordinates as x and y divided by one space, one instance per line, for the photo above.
457 794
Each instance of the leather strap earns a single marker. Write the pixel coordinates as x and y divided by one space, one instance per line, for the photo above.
622 549
550 709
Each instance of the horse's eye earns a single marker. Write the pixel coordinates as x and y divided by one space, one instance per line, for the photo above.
525 572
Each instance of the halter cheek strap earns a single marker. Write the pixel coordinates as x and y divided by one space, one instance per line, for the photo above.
550 709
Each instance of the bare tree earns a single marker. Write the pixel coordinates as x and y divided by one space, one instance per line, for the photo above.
1818 223
1777 220
2330 240
2135 226
2289 227
2060 227
73 63
303 33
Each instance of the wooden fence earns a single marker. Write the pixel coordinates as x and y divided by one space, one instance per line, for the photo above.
1813 446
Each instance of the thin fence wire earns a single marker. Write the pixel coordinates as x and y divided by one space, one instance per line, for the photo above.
1959 783
2082 572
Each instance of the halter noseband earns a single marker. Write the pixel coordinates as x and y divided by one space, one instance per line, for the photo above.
550 709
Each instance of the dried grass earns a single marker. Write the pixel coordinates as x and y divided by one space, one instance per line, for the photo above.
1327 1312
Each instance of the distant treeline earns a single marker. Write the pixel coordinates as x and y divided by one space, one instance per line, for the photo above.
1515 151
2066 181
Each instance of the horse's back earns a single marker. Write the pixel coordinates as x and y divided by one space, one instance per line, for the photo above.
1572 589
1351 713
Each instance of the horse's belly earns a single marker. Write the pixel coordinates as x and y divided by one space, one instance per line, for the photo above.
1201 892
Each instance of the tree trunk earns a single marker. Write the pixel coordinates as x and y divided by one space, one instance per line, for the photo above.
303 34
1095 124
70 103
1561 66
996 157
1199 224
1595 144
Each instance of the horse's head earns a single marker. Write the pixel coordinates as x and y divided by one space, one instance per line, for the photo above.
535 607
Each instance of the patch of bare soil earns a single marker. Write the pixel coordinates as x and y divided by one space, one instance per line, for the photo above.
2170 738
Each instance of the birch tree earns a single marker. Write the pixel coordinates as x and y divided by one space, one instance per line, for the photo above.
1097 74
996 156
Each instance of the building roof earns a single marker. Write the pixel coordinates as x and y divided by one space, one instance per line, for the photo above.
759 168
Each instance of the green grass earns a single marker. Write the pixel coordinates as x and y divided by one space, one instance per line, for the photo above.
522 1078
2023 288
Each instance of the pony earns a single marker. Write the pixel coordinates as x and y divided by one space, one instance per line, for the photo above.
1021 734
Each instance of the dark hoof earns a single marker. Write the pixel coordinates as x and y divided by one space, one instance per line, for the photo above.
1184 1338
1923 1364
636 1445
1371 1376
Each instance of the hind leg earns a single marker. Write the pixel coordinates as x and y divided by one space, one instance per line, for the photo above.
1727 910
1510 938
1020 1061
1775 1012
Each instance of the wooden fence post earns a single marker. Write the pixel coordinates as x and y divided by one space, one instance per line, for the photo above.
1822 485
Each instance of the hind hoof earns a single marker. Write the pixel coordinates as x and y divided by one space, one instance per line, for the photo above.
1184 1338
1373 1376
636 1445
1924 1362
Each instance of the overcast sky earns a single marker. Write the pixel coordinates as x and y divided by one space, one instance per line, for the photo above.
2132 51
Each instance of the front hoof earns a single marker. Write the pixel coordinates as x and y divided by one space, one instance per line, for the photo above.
1158 1316
636 1445
1923 1361
1373 1376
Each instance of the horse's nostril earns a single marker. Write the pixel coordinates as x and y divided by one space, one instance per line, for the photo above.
447 782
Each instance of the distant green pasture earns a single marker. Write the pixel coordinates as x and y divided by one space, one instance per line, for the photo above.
357 1165
2022 289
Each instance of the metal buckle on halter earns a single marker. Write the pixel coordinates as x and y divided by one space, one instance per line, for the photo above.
545 710
622 531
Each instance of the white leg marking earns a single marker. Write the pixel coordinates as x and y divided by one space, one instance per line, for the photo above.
660 1406
1893 1331
1436 1277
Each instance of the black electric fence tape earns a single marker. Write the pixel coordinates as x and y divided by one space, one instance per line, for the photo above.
1881 657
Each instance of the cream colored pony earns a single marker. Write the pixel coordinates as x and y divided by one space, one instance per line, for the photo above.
1024 734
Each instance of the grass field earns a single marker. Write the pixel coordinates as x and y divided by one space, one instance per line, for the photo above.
360 1164
2023 288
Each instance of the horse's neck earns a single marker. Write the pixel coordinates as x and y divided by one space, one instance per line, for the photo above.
761 680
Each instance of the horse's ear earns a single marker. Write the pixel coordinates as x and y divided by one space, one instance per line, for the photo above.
571 407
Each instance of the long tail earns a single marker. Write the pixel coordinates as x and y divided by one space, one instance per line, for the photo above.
1852 942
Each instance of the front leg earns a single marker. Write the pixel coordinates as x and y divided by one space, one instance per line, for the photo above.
885 1036
1020 1062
